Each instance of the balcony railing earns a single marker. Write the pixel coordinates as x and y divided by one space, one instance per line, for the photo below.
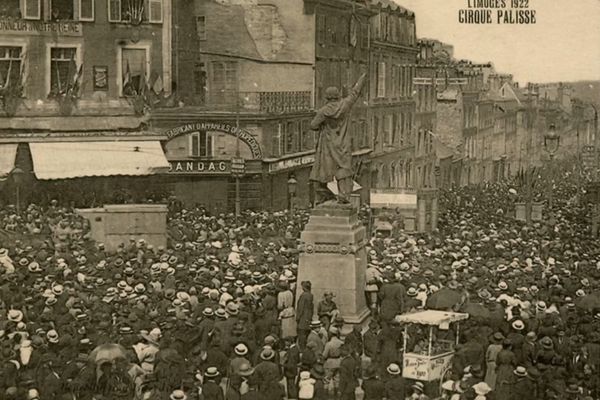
257 102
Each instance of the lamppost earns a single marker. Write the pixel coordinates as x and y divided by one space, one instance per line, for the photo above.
551 145
292 184
18 175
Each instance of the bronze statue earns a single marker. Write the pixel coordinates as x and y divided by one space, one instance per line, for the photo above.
333 157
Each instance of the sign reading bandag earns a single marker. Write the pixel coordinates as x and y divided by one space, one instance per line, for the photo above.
205 167
19 26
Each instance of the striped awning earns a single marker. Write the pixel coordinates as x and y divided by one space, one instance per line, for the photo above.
65 160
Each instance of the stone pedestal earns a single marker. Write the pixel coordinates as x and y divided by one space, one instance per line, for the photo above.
333 258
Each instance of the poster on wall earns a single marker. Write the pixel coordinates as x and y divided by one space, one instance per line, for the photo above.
100 77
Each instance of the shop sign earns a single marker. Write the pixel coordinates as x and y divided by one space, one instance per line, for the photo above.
292 163
424 368
8 26
205 167
100 77
588 156
241 134
238 166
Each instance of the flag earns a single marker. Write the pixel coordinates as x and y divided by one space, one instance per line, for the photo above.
143 83
76 80
353 31
7 82
158 85
127 77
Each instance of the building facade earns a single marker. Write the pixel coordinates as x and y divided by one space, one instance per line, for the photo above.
392 104
249 77
76 74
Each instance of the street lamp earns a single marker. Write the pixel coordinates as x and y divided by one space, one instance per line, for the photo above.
551 141
292 184
18 175
551 145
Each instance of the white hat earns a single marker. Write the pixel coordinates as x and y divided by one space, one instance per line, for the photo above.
33 394
15 315
52 336
178 395
241 349
482 388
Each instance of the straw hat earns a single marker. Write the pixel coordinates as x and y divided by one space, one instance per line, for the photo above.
393 369
178 395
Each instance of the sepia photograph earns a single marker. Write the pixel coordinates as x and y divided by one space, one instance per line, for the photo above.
299 200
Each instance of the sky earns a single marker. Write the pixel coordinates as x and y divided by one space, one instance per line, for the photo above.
564 44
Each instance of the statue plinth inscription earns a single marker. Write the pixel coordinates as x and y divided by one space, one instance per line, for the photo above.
333 257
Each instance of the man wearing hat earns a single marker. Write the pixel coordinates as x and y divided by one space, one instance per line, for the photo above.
317 337
348 374
395 385
521 386
267 371
304 312
331 357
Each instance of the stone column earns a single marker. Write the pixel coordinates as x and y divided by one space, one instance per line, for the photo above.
333 258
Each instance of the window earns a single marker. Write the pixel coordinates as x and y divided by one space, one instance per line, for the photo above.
10 65
135 11
394 128
364 35
114 10
401 128
61 10
200 82
31 9
86 10
375 131
364 136
332 26
224 84
291 137
10 9
388 127
321 29
62 68
155 11
201 27
381 79
134 69
307 136
201 144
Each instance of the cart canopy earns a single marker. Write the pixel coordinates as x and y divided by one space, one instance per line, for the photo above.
432 317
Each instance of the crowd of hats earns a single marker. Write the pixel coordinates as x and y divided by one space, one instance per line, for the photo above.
63 294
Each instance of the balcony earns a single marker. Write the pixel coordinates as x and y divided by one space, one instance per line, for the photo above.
254 102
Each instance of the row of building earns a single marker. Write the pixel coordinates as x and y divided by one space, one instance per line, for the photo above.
211 100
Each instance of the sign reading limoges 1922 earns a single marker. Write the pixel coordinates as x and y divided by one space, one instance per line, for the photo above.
242 134
200 167
20 27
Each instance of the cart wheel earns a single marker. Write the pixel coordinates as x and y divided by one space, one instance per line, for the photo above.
446 374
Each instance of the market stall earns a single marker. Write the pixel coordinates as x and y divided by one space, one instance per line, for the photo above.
429 361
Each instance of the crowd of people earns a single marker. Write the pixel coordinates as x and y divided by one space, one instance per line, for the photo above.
213 314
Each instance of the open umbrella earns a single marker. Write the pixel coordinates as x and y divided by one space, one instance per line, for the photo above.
444 299
588 302
476 310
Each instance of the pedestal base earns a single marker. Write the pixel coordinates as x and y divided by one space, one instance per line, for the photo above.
333 258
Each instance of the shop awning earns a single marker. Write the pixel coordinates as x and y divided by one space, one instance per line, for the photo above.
64 160
8 154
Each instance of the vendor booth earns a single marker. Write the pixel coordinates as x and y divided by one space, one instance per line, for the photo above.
429 360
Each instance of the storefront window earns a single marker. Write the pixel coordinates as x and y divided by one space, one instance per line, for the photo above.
10 65
134 67
62 68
